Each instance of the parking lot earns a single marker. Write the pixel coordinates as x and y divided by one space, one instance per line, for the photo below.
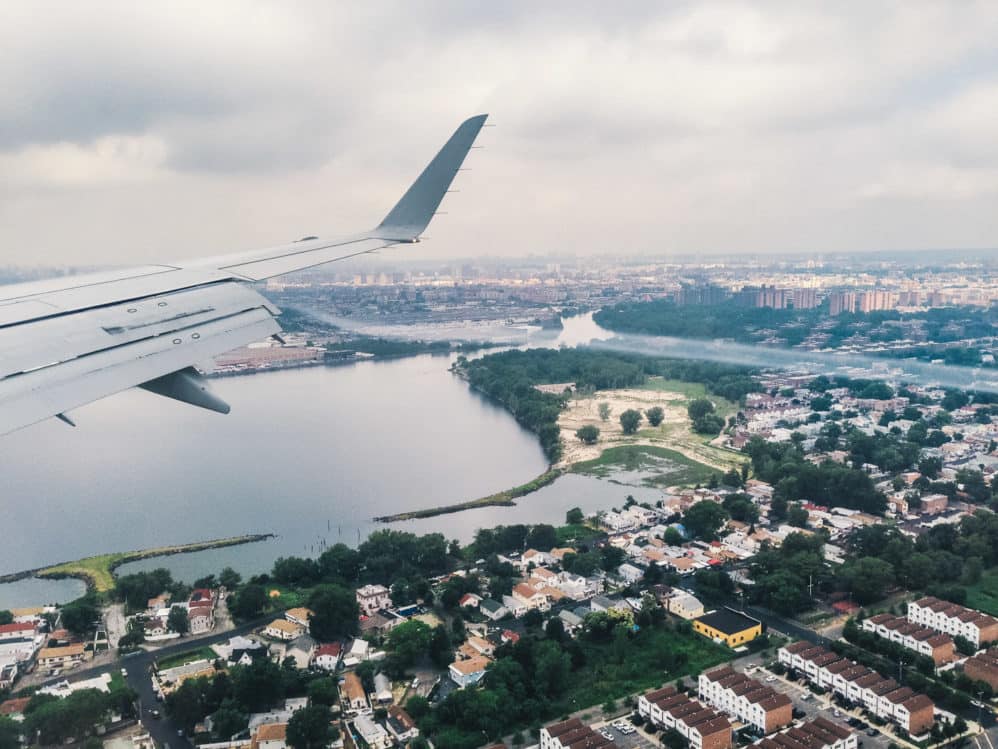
636 740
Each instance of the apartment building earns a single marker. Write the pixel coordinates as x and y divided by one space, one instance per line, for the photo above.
819 733
746 699
573 734
923 640
983 667
883 697
703 727
953 620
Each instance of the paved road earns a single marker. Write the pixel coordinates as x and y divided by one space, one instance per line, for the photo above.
164 731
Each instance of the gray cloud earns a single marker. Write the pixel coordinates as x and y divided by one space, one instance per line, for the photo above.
730 126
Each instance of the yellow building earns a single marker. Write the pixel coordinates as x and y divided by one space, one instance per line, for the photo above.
725 625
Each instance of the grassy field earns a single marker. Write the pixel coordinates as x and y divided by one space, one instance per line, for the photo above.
613 671
190 656
664 467
983 595
288 598
98 571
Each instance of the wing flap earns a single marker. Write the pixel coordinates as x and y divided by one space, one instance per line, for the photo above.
31 397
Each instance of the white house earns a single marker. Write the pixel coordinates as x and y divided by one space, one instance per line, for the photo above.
373 733
469 671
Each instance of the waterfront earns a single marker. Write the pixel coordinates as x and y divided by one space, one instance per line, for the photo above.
310 455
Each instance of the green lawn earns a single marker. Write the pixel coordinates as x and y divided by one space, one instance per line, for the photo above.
664 467
616 670
189 656
983 595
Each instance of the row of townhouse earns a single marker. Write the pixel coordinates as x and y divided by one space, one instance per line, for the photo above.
923 640
819 733
573 734
953 620
702 727
883 697
746 699
983 667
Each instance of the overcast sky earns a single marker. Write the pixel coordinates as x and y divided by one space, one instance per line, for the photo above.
135 132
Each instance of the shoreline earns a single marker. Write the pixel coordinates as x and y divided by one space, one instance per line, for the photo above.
499 499
97 571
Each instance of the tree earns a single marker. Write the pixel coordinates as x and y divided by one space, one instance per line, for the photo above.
409 641
604 411
655 415
10 734
248 602
589 434
229 579
629 421
797 516
6 617
542 537
575 517
868 578
698 408
441 650
79 616
258 686
323 691
177 621
672 537
311 728
228 720
704 519
340 563
334 612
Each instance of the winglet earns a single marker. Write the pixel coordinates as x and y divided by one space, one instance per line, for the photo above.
410 216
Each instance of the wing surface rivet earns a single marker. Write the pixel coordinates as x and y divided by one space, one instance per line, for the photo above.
162 304
176 340
132 309
195 336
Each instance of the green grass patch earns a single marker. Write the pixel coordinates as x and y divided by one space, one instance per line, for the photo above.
289 598
617 669
172 661
573 535
983 595
661 466
117 681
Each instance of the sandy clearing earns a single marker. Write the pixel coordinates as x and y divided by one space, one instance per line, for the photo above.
674 433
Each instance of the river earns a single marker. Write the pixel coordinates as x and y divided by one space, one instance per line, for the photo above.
310 455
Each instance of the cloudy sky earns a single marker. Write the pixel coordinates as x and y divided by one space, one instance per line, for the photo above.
134 132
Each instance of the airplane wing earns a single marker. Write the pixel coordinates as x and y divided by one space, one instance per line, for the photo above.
69 341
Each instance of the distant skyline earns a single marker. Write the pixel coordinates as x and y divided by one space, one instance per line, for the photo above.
140 133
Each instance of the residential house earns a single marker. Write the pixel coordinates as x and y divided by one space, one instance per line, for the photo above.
882 696
983 667
372 732
469 671
327 657
61 657
629 573
401 725
573 734
684 605
299 616
271 736
923 640
470 601
744 698
530 598
954 620
200 619
352 694
702 727
373 598
17 631
382 689
492 609
282 629
819 733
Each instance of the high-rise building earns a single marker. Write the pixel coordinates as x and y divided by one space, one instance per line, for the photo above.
842 301
805 298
